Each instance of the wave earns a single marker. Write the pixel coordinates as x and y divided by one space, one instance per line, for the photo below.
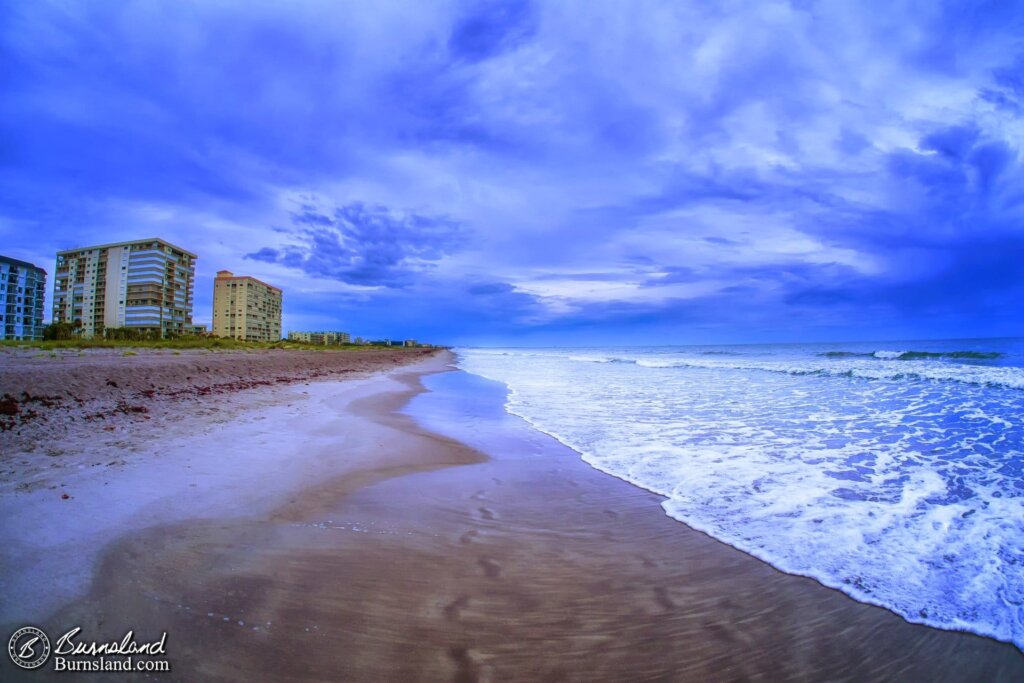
900 494
601 359
954 355
876 490
1004 377
846 354
916 355
859 366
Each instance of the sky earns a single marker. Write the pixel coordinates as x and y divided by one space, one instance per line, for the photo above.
538 173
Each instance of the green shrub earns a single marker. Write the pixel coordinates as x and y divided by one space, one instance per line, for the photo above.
61 331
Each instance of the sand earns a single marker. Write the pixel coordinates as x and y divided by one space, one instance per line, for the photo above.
340 538
78 469
52 403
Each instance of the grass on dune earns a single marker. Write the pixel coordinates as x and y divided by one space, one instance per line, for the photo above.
182 343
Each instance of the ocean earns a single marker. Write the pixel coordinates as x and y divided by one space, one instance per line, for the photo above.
891 471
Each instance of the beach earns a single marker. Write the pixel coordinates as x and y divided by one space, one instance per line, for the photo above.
381 517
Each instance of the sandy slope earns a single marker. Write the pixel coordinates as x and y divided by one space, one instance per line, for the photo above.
217 435
53 404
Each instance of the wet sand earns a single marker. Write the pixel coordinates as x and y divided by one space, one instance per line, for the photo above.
497 555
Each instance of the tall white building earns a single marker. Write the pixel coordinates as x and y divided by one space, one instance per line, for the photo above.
22 291
145 284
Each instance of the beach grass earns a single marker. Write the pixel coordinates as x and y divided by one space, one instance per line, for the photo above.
178 343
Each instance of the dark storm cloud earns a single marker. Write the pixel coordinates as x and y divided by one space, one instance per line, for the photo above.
365 245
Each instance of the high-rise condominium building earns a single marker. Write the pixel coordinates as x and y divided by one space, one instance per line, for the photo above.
246 308
145 284
22 290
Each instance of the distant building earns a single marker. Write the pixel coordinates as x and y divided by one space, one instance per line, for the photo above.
410 342
321 338
198 330
22 291
146 285
246 308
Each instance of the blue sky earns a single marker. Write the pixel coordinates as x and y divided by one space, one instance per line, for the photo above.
539 172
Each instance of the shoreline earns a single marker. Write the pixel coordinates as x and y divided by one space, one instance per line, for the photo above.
767 559
459 543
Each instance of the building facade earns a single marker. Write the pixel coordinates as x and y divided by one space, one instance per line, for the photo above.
245 308
321 338
146 285
22 293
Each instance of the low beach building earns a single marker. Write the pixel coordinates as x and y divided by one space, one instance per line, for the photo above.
321 338
144 285
245 308
22 295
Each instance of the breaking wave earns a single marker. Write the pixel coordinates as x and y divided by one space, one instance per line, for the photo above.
904 493
873 367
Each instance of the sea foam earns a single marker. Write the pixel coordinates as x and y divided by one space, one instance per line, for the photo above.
902 489
1008 377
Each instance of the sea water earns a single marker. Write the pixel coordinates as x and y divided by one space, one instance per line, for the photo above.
891 471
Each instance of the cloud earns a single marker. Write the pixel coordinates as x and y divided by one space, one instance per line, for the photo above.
489 28
576 168
490 289
365 245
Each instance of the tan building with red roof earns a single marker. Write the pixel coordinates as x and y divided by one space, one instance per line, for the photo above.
246 308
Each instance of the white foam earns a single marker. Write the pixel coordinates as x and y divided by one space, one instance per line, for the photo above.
903 493
1009 377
